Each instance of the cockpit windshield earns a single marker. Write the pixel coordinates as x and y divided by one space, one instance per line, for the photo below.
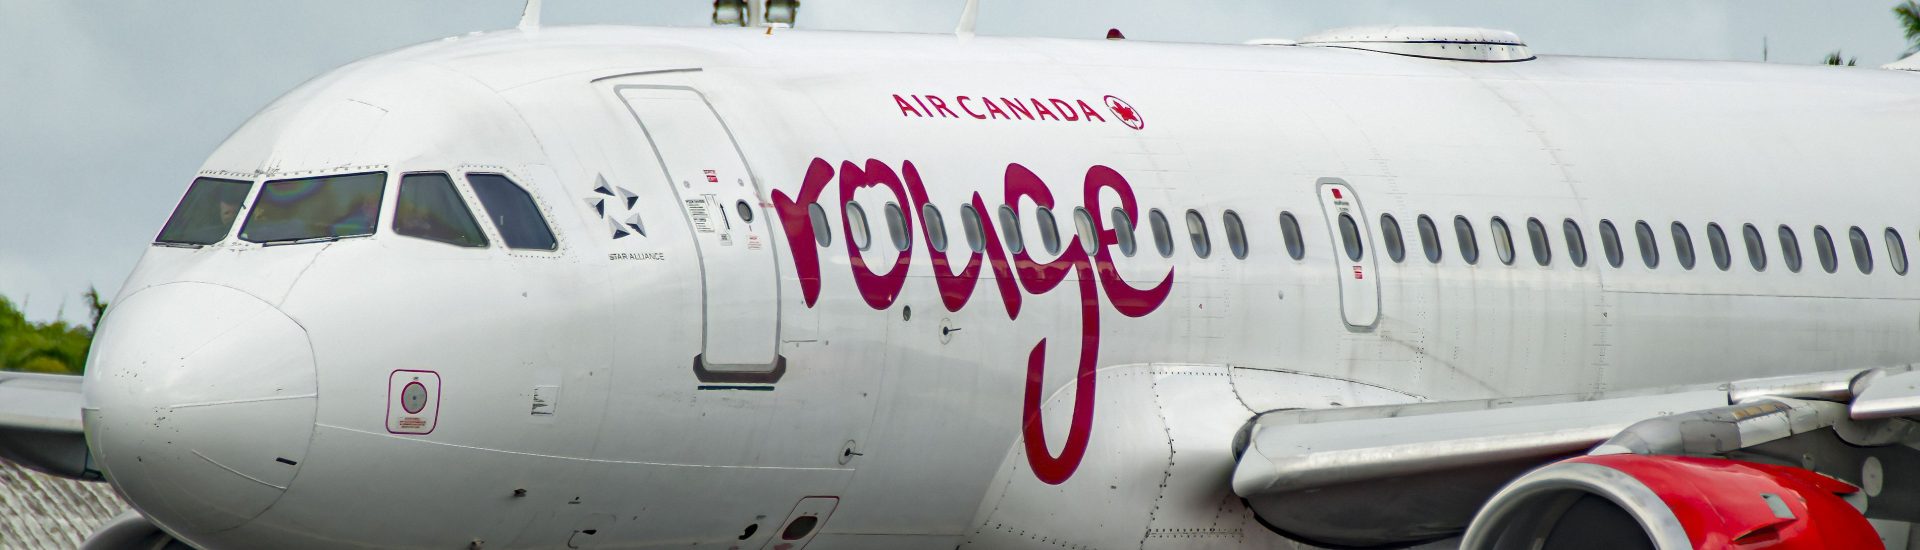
315 209
206 213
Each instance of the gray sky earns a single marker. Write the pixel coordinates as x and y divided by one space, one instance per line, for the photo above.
107 108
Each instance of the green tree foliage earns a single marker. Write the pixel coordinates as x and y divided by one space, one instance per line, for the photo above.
1835 59
55 347
1909 14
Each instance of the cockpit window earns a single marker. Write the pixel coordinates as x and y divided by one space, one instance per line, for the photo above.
206 213
318 209
513 212
430 208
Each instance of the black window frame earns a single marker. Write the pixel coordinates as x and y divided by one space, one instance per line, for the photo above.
1200 236
933 226
1576 242
1291 235
1236 231
1162 232
400 197
1824 250
1124 232
1717 246
1391 236
1756 244
1430 244
188 200
822 229
1683 245
1862 249
1790 249
1469 243
1610 245
1648 242
538 211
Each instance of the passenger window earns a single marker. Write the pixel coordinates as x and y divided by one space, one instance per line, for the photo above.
1350 237
1290 232
1123 232
970 225
1576 243
1010 227
1683 245
1862 249
822 233
1197 231
206 213
1049 230
936 227
1502 241
857 224
1896 252
1537 236
513 212
430 208
1390 234
1756 248
1717 241
1823 246
1162 234
1083 227
1469 246
315 209
1649 248
897 227
1790 248
1610 244
1236 234
1429 238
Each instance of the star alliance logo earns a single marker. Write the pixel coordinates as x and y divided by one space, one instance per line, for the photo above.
615 205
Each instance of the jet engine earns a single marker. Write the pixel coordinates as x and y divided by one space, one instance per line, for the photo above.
1651 501
130 530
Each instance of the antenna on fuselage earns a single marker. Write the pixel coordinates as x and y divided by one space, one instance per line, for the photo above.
967 17
530 17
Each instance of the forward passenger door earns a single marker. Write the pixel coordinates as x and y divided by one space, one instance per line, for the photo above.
739 282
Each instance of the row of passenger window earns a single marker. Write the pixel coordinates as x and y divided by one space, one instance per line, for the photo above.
1010 232
1353 245
303 210
1540 244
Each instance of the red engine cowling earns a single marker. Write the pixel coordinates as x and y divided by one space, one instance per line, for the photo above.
1667 502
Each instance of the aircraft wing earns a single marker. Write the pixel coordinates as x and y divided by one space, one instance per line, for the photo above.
40 424
1364 476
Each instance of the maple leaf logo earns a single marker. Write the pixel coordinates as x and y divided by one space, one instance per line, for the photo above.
1125 112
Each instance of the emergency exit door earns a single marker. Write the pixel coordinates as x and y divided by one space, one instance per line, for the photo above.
717 194
1352 253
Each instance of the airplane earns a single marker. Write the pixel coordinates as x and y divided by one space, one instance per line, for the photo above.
767 288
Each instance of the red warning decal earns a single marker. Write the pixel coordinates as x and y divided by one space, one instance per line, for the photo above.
413 402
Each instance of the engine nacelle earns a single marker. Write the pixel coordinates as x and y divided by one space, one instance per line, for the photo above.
1669 502
131 531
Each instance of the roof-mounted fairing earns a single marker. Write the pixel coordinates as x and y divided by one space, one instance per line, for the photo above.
1448 43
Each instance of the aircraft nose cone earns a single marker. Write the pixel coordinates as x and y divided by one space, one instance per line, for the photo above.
199 404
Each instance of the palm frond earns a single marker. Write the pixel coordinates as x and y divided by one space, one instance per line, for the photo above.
1909 14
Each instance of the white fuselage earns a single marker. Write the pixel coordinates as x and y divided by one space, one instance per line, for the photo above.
710 370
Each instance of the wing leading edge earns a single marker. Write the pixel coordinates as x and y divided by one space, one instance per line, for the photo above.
1366 476
40 424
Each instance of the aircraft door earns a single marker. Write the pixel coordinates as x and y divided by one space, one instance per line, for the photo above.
1352 253
719 197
